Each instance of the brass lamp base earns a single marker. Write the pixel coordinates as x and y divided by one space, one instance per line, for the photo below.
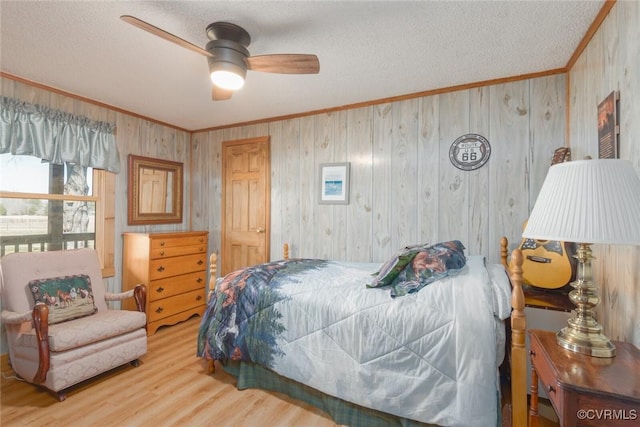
583 334
596 345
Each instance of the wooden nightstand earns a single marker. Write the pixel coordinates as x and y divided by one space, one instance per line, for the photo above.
548 310
585 390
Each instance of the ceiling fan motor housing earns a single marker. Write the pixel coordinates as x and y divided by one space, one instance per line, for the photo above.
227 56
228 47
228 31
228 51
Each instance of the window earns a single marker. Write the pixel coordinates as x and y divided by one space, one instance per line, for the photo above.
46 207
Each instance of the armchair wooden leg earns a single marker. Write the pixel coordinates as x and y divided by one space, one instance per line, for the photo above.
135 363
61 395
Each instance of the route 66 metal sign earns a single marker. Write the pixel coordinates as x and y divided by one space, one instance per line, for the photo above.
470 152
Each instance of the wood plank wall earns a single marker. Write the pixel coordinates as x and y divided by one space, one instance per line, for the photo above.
404 189
611 61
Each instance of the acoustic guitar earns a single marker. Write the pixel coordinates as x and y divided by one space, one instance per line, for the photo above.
549 264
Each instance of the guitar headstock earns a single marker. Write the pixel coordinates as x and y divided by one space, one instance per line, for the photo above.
561 155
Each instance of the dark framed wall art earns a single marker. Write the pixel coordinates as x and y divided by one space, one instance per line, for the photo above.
608 127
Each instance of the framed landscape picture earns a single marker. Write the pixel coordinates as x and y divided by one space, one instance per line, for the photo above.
334 183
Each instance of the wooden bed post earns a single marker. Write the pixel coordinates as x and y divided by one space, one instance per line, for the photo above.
285 251
518 357
518 349
504 252
213 271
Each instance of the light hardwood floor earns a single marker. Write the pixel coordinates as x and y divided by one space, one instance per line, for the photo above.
169 388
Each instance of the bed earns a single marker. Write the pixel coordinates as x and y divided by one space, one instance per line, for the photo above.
417 340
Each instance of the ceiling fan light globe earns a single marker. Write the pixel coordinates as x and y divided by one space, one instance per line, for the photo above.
227 79
227 69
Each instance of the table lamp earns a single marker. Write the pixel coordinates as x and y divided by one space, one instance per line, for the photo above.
587 202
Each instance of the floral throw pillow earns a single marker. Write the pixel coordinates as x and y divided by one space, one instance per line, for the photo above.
428 265
390 269
68 297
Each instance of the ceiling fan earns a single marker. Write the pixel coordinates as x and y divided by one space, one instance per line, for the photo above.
229 58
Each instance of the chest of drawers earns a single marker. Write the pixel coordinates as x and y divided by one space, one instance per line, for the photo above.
173 267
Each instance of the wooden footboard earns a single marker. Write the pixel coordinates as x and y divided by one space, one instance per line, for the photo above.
518 357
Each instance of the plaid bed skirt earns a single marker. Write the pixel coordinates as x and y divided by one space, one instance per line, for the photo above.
249 375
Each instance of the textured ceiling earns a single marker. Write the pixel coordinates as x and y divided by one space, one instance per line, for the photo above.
367 50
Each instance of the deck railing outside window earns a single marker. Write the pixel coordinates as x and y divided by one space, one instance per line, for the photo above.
45 242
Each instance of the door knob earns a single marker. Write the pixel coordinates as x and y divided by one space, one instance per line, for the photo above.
260 230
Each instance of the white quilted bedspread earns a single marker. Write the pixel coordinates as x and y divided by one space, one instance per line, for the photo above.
431 356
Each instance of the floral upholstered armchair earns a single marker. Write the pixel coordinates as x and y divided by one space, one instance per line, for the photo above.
59 328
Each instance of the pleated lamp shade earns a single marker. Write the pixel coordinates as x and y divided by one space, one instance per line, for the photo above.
588 201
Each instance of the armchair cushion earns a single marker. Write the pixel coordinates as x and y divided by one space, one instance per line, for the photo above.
68 297
87 330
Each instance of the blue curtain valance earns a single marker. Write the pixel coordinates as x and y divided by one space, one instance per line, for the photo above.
56 137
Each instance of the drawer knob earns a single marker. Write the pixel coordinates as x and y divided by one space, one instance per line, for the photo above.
201 240
162 243
159 310
200 262
199 279
161 253
199 297
551 389
160 289
160 269
532 353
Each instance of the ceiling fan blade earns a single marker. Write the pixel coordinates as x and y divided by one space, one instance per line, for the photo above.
285 63
163 34
219 94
